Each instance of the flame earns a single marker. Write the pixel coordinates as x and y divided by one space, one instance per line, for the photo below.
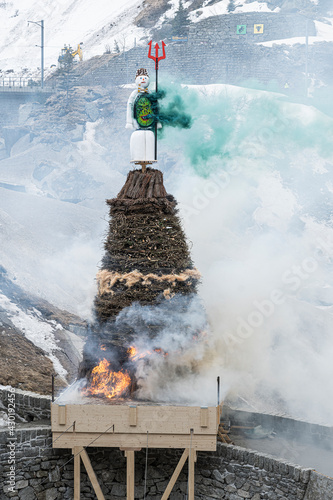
131 351
103 347
107 383
135 355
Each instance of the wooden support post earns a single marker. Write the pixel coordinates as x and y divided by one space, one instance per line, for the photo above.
130 474
76 452
175 475
92 475
191 460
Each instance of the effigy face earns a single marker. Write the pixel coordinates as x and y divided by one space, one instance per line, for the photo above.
142 81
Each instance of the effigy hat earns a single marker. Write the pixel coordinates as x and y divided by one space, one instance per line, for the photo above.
141 71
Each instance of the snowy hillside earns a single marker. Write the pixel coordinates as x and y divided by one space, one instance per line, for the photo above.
97 26
36 340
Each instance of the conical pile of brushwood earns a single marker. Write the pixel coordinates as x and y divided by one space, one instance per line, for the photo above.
147 257
146 260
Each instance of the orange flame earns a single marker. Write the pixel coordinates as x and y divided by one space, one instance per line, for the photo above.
107 383
135 355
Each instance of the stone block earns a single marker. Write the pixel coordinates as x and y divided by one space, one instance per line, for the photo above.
229 478
206 472
23 483
27 494
305 475
41 473
119 490
217 476
244 494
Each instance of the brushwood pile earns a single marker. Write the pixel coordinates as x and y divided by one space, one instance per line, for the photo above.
146 261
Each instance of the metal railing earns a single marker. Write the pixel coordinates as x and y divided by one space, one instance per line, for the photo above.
19 84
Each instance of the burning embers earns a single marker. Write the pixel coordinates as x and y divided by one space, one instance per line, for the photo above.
105 382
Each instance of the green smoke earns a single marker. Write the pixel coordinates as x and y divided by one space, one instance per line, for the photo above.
237 124
172 114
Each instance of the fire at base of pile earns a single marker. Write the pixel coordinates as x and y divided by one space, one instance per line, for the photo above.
147 311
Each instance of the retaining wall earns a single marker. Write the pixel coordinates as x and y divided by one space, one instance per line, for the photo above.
215 53
232 473
28 406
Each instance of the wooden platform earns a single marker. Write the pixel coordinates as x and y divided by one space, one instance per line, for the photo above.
130 427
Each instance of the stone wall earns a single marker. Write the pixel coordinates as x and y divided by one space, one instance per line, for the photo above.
232 473
28 406
215 53
284 426
319 488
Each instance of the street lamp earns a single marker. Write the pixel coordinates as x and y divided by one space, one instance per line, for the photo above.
41 24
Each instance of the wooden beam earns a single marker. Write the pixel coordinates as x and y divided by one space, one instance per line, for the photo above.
62 414
177 420
92 475
76 452
199 442
175 475
203 417
191 460
132 416
130 474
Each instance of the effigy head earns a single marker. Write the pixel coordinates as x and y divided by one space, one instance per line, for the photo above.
142 78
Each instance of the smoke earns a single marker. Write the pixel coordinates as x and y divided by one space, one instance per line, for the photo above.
231 125
173 342
253 178
170 113
255 190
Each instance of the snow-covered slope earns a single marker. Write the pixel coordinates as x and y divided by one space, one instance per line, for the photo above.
96 25
65 22
36 340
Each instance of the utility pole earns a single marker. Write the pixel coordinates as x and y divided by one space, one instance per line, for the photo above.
306 56
41 25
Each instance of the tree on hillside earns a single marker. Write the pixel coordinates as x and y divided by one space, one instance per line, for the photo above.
181 21
116 48
66 76
231 6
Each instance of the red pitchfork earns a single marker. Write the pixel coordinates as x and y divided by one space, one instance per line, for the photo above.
157 59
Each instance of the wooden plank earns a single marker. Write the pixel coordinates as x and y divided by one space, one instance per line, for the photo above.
204 417
62 414
154 419
191 461
77 475
132 416
130 474
92 475
175 475
200 443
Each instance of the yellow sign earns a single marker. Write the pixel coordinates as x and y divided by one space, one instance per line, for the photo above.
258 28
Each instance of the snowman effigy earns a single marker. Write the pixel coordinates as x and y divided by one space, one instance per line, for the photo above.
141 119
